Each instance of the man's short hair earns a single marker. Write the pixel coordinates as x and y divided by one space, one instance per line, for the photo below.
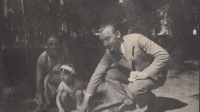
117 26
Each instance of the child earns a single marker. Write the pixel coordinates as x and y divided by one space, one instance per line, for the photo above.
70 90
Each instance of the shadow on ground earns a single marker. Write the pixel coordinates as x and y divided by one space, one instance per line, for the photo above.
164 104
195 96
100 99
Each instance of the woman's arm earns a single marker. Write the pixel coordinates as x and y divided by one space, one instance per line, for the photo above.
40 85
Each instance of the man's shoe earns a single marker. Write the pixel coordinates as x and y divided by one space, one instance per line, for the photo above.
151 107
123 107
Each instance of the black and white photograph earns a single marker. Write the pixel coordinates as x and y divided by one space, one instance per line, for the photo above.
99 55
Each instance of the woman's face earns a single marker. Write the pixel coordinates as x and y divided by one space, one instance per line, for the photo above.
53 46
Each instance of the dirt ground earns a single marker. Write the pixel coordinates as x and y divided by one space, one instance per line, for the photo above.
179 94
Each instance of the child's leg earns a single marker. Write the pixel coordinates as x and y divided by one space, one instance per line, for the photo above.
65 101
79 97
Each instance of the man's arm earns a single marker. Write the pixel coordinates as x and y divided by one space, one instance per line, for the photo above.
101 69
159 55
96 79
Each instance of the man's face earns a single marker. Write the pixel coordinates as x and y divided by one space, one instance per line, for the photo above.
110 39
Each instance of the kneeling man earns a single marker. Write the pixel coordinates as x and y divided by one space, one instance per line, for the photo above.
131 60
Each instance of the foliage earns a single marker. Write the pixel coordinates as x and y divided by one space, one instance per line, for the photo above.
26 24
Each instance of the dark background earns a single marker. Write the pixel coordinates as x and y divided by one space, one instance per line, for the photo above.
26 23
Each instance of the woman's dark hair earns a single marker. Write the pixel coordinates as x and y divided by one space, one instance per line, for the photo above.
117 26
53 35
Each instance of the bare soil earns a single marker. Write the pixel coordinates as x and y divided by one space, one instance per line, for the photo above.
179 94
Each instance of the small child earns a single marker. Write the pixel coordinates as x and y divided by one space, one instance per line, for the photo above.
70 91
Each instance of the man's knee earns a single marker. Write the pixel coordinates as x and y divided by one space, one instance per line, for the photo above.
139 87
133 90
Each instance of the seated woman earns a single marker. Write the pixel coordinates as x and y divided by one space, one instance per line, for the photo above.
47 70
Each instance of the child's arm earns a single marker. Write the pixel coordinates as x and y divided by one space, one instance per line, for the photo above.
58 97
58 101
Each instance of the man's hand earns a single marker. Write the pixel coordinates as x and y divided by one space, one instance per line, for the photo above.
137 76
84 105
56 68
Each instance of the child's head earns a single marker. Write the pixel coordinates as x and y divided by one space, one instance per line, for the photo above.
67 73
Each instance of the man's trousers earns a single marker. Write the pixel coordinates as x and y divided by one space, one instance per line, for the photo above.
118 86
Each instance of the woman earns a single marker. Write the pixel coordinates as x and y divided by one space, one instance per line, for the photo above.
47 70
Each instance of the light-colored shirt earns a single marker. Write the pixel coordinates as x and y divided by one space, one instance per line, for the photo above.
63 87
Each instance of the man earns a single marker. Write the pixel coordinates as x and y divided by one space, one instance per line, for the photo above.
133 60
